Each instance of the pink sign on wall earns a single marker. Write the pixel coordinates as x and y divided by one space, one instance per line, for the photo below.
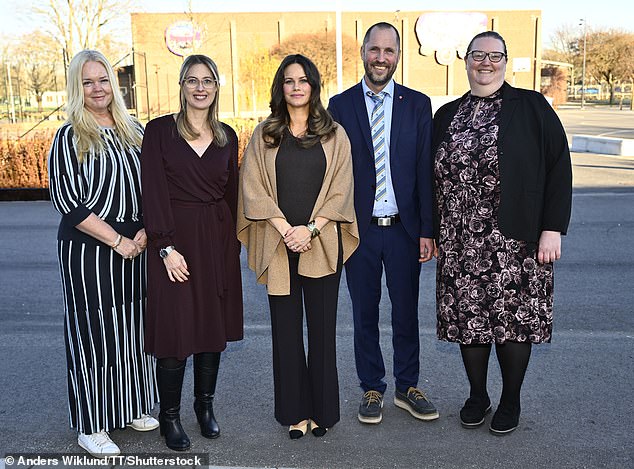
447 34
182 38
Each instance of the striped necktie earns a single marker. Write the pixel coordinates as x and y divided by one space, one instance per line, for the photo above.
377 127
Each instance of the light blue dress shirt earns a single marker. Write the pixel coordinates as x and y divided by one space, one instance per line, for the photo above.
387 205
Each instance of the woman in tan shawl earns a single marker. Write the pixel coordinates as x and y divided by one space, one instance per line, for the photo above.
296 218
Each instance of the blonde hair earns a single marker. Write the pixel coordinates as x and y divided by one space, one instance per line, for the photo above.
184 127
90 139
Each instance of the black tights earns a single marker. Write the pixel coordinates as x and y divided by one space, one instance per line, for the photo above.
513 358
170 363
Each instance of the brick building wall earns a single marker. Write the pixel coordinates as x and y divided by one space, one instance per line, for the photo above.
229 37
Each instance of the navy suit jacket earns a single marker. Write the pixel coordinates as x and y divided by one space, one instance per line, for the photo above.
410 156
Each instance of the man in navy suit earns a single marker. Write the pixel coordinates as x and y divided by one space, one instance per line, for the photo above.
389 127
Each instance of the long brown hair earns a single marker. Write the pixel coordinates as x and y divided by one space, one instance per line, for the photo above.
320 123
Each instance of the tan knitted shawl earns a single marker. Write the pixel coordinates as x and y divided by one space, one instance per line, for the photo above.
257 203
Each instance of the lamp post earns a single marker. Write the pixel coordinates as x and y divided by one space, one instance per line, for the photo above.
339 47
158 89
583 68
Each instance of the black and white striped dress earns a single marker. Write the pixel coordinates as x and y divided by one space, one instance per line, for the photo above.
110 379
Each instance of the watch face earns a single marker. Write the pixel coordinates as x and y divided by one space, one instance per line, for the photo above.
164 252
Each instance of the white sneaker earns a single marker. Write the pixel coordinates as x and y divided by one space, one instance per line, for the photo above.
98 444
144 424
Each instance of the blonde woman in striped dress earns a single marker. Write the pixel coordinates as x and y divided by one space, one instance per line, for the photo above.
94 173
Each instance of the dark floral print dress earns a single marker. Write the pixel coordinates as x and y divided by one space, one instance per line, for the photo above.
489 288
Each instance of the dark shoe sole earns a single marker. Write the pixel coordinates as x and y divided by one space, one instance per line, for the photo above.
178 448
476 424
405 406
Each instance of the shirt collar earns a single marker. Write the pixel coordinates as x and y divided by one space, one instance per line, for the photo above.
388 90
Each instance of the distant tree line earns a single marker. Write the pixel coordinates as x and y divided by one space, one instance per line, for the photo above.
609 55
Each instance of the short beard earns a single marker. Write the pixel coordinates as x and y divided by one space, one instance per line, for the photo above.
378 82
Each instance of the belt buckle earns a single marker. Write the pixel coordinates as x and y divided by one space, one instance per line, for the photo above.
384 221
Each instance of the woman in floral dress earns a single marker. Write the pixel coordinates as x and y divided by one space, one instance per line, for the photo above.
503 188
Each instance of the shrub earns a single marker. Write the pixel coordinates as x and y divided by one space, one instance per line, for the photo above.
23 161
244 128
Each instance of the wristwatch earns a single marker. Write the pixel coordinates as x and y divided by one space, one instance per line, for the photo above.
314 231
164 252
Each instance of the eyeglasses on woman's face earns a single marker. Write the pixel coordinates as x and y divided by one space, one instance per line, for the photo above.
479 55
193 83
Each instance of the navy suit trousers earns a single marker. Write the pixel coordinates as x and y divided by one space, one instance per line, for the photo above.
390 247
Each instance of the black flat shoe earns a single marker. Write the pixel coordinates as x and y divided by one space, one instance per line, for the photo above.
298 431
505 420
473 412
316 430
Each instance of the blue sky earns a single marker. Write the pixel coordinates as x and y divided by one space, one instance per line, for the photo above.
555 13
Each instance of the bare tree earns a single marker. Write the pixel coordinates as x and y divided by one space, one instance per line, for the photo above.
609 56
37 55
80 24
321 49
564 44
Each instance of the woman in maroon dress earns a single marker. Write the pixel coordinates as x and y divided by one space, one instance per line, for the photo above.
189 174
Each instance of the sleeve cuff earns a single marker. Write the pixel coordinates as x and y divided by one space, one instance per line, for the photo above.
77 215
160 243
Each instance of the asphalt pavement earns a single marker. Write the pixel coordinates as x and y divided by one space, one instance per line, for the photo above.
577 402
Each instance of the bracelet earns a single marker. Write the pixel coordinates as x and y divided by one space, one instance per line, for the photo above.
314 231
117 241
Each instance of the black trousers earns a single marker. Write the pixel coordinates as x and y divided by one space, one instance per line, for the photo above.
306 387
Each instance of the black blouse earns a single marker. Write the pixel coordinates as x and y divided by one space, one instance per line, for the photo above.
299 175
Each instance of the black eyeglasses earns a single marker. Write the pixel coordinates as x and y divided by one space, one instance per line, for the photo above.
480 55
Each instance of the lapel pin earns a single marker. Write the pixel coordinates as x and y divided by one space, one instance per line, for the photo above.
400 96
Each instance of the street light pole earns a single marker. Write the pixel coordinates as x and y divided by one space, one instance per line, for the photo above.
339 47
583 68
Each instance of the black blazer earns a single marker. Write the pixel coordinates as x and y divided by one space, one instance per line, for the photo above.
534 162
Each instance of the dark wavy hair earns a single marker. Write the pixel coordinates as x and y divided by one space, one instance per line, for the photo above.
492 34
320 123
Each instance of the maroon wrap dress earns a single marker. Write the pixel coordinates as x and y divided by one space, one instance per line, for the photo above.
190 202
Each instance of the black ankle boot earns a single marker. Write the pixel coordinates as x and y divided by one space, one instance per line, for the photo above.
204 408
170 383
205 376
171 428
